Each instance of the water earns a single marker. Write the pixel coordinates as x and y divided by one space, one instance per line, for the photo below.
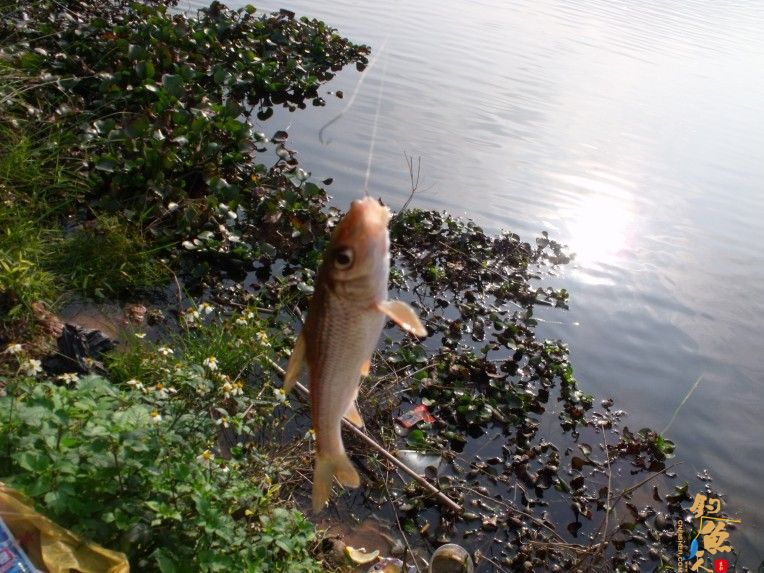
633 132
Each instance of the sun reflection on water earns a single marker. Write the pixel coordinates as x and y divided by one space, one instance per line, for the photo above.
600 222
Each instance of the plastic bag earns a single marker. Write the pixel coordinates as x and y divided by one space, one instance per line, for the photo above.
50 547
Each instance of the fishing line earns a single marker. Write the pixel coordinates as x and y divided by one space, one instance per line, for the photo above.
352 96
375 125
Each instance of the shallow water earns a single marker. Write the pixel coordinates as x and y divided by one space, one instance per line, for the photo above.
633 132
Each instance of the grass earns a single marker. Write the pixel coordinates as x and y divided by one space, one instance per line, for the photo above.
108 257
28 169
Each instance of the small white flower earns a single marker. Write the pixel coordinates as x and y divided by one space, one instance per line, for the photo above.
161 390
69 377
241 321
280 394
13 348
205 457
206 308
172 206
227 389
32 367
238 342
222 421
191 315
155 417
262 338
133 383
310 434
249 315
238 389
165 351
140 335
211 362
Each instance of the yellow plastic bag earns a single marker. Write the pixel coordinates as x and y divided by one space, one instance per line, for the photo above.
51 547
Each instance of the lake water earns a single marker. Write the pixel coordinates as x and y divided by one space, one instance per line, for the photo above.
631 131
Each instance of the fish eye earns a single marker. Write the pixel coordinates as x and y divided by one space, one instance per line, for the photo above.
343 260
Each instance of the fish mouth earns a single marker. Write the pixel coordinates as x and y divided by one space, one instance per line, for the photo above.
366 221
371 210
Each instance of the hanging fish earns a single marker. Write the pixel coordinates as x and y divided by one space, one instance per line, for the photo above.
345 319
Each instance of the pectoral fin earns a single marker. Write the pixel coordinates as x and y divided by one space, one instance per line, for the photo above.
296 364
354 416
403 315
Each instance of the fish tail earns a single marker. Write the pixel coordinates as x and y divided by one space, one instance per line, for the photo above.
326 468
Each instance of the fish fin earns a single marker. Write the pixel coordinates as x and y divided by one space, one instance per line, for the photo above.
365 367
403 315
354 416
327 467
296 364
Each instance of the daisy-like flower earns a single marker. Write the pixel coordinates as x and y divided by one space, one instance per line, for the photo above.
32 367
222 421
140 335
238 342
249 315
205 457
191 315
310 434
211 362
161 390
238 389
241 321
13 348
206 308
165 351
262 338
137 384
155 417
227 389
68 378
280 394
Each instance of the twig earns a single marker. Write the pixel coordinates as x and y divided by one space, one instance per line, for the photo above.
443 498
400 528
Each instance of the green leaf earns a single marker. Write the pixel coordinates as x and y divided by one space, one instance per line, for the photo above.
135 52
33 461
173 84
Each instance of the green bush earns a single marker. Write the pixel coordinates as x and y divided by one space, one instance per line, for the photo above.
136 466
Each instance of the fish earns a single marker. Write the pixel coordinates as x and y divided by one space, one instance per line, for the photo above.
345 318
